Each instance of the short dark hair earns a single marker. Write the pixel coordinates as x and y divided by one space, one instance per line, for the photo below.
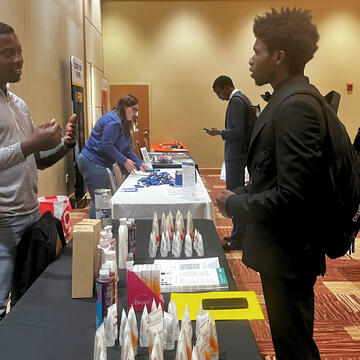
222 81
5 28
289 30
125 101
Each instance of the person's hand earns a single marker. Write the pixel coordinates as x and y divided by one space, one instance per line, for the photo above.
44 137
70 132
129 166
48 124
221 201
214 131
143 167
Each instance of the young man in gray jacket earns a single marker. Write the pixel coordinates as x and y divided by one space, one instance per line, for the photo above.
24 148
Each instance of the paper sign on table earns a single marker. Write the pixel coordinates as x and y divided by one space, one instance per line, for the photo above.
139 294
189 179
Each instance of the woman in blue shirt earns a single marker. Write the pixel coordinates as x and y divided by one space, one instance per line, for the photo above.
109 142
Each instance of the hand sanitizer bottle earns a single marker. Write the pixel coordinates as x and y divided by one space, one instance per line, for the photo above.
123 244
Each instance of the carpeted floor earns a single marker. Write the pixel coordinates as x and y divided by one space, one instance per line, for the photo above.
337 295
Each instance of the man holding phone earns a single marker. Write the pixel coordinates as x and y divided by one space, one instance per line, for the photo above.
237 140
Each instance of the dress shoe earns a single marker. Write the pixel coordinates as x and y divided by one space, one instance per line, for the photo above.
233 245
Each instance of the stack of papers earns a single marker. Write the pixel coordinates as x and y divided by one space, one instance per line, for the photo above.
188 264
193 280
190 275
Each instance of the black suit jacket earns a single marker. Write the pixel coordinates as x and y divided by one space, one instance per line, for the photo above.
36 250
234 133
282 204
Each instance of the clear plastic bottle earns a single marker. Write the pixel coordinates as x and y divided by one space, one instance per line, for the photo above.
123 244
103 243
107 265
114 268
109 236
103 206
131 238
103 246
103 295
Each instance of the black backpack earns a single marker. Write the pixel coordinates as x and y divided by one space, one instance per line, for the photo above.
253 112
342 182
356 143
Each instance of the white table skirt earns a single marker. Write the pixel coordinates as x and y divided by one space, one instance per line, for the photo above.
163 198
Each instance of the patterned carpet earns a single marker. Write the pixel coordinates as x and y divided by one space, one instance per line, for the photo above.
337 294
337 297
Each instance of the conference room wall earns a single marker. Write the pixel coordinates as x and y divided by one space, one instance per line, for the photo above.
180 47
50 32
94 61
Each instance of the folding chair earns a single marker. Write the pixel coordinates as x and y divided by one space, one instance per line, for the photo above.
111 180
119 177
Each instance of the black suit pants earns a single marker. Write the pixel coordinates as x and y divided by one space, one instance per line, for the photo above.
290 308
235 177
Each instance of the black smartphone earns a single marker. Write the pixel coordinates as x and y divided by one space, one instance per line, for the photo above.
225 303
206 129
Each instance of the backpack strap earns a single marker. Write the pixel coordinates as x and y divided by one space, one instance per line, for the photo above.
279 97
250 118
243 98
307 89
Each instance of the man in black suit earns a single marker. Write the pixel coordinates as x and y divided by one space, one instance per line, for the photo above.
282 204
236 137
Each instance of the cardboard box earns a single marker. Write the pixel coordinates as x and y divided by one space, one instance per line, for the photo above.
83 261
96 223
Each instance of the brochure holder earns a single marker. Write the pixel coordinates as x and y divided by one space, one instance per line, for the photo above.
189 179
139 294
146 157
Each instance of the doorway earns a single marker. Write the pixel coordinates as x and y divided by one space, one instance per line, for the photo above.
141 130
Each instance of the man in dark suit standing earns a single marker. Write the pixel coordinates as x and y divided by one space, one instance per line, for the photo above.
282 205
236 137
